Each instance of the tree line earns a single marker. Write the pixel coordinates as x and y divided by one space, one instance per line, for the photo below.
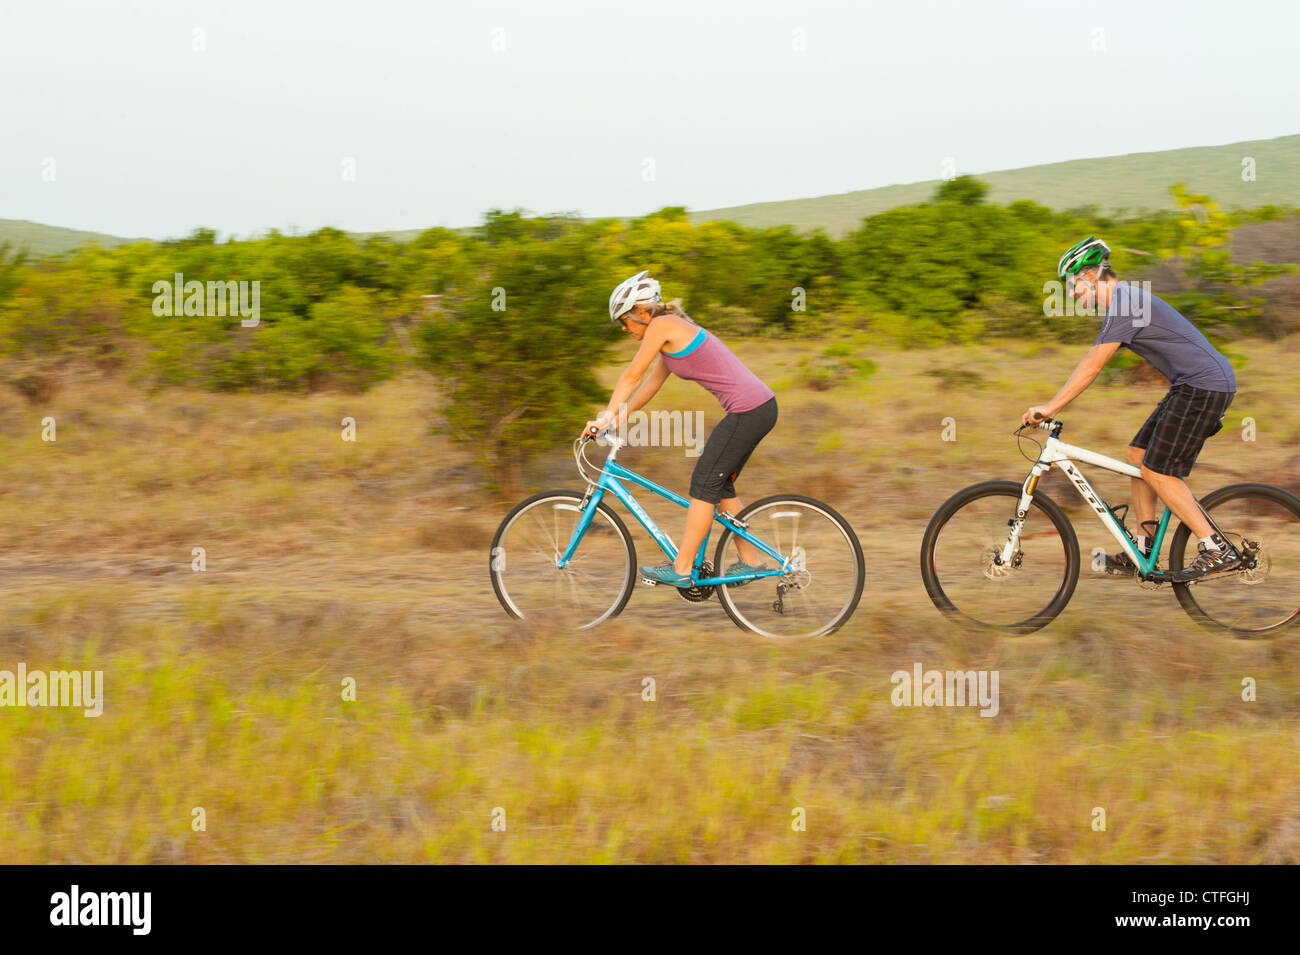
511 316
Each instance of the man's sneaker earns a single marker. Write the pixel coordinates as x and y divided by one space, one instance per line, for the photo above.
1209 562
665 574
740 567
1120 565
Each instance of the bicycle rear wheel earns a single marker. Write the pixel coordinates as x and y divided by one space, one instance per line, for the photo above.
594 586
965 581
823 584
1263 522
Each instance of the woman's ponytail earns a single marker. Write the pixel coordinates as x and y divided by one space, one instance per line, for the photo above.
673 308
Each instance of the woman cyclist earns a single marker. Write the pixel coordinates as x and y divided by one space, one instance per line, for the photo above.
688 351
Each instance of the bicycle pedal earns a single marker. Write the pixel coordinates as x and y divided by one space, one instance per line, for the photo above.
649 583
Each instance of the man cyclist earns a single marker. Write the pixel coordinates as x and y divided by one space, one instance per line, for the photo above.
1202 386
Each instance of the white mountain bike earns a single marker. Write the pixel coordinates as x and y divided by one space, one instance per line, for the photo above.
998 555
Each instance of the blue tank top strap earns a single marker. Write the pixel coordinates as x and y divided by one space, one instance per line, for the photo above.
696 342
711 363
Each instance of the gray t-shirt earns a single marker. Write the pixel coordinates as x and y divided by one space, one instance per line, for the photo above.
1152 328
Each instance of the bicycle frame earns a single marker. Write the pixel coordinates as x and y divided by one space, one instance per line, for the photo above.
1057 452
611 480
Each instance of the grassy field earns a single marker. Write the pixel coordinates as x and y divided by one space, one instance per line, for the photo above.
329 561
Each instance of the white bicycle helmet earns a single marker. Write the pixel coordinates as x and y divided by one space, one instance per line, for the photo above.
640 289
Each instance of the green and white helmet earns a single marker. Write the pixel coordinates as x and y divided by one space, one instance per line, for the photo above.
1090 253
640 289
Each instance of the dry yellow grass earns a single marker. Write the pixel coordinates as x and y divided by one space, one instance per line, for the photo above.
329 560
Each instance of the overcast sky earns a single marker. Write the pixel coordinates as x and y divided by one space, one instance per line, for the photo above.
153 117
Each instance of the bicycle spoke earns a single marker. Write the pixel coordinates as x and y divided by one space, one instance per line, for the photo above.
823 581
1262 597
966 575
593 585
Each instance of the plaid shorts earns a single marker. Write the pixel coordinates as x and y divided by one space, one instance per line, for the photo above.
1175 432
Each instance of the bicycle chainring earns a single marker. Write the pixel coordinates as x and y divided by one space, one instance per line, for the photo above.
699 594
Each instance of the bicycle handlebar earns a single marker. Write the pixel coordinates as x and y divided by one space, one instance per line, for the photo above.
609 431
1044 424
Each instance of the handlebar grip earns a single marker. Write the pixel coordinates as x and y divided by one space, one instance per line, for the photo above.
1043 424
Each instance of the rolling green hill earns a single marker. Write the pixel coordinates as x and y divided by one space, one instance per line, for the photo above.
50 239
1133 182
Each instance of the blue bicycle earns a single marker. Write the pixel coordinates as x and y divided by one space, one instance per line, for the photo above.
567 557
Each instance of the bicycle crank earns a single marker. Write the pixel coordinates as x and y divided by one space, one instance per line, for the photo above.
698 594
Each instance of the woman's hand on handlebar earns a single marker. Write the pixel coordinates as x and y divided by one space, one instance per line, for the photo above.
594 428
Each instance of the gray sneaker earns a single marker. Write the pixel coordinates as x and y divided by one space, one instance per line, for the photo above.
1120 565
1209 562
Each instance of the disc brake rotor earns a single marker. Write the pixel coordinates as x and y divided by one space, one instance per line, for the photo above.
992 567
1261 565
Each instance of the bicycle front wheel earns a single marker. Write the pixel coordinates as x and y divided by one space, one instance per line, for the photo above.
1263 595
965 581
595 584
822 585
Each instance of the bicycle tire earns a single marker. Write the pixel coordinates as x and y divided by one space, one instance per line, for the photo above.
846 611
1012 490
629 581
1186 592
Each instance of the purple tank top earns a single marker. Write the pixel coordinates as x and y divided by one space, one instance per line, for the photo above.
707 361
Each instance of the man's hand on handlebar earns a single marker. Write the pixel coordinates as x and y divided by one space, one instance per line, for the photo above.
1036 415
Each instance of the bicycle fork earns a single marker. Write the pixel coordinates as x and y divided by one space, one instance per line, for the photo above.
1009 555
